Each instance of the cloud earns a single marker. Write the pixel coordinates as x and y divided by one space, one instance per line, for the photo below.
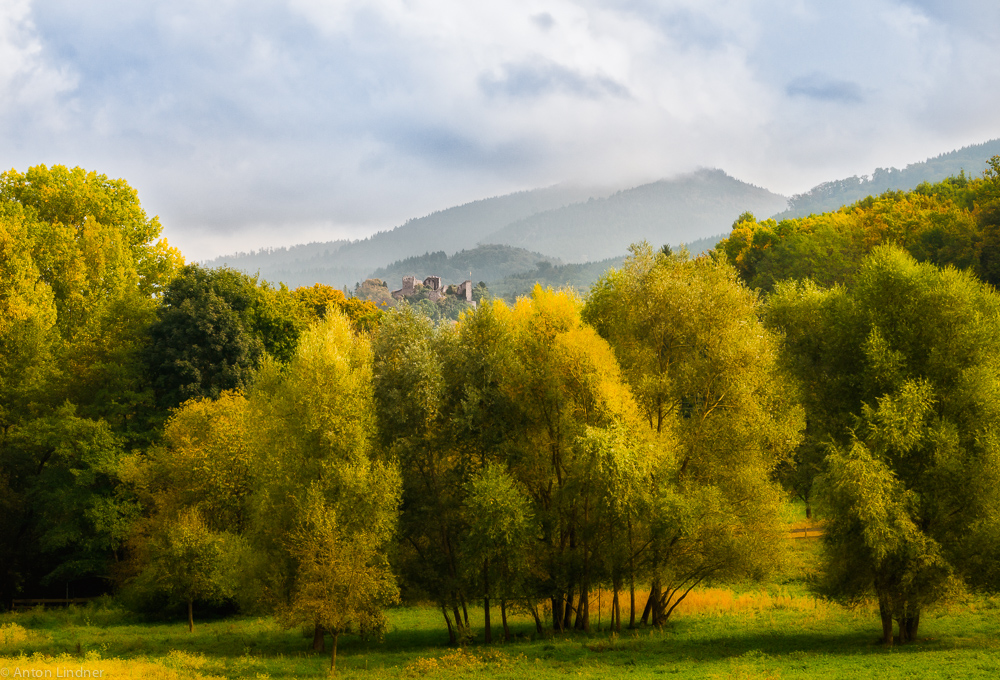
29 86
537 77
359 114
823 87
544 21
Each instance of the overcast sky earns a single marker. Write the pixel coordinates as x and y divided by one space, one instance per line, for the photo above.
246 123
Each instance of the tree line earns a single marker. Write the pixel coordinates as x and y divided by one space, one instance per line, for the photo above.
194 435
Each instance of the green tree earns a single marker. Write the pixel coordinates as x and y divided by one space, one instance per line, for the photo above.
81 271
619 468
317 468
205 462
212 330
187 561
706 375
343 581
71 514
564 379
409 390
500 533
904 402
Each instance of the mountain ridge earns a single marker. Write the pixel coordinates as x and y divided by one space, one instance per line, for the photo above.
578 224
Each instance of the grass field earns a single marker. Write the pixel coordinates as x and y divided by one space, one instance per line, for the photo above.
776 631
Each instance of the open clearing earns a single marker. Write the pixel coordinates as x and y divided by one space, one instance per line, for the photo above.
774 631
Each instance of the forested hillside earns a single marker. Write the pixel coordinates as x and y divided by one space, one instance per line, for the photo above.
583 224
954 222
674 211
482 263
572 223
288 260
971 160
451 230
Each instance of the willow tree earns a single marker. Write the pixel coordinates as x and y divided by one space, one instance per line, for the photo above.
705 372
195 490
322 486
911 488
564 380
409 391
499 536
343 581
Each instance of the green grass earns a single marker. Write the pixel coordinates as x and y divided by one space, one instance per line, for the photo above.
791 642
741 631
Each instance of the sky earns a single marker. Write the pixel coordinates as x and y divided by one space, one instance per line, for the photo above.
246 124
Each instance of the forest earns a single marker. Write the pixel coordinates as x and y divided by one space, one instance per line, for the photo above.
199 442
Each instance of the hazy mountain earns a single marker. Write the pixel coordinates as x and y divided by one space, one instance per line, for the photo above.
579 277
575 224
484 263
450 230
278 259
682 209
832 195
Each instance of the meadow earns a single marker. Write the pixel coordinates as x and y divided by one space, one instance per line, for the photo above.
741 631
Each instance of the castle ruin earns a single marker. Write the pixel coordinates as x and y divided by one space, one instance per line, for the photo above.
435 292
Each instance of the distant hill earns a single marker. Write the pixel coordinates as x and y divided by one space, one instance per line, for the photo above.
833 195
268 260
486 263
576 224
579 277
564 222
682 209
450 230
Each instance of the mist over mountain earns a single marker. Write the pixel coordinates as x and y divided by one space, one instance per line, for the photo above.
673 211
832 195
450 230
564 222
502 240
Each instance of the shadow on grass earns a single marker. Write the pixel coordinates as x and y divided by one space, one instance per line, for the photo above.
260 645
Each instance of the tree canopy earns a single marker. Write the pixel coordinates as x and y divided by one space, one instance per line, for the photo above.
900 373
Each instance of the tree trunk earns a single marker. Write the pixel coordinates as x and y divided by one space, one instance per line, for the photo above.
538 621
809 511
654 593
557 613
908 623
333 656
451 631
488 633
631 604
465 613
656 616
319 644
190 615
568 613
503 617
616 614
885 613
583 610
458 617
631 577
